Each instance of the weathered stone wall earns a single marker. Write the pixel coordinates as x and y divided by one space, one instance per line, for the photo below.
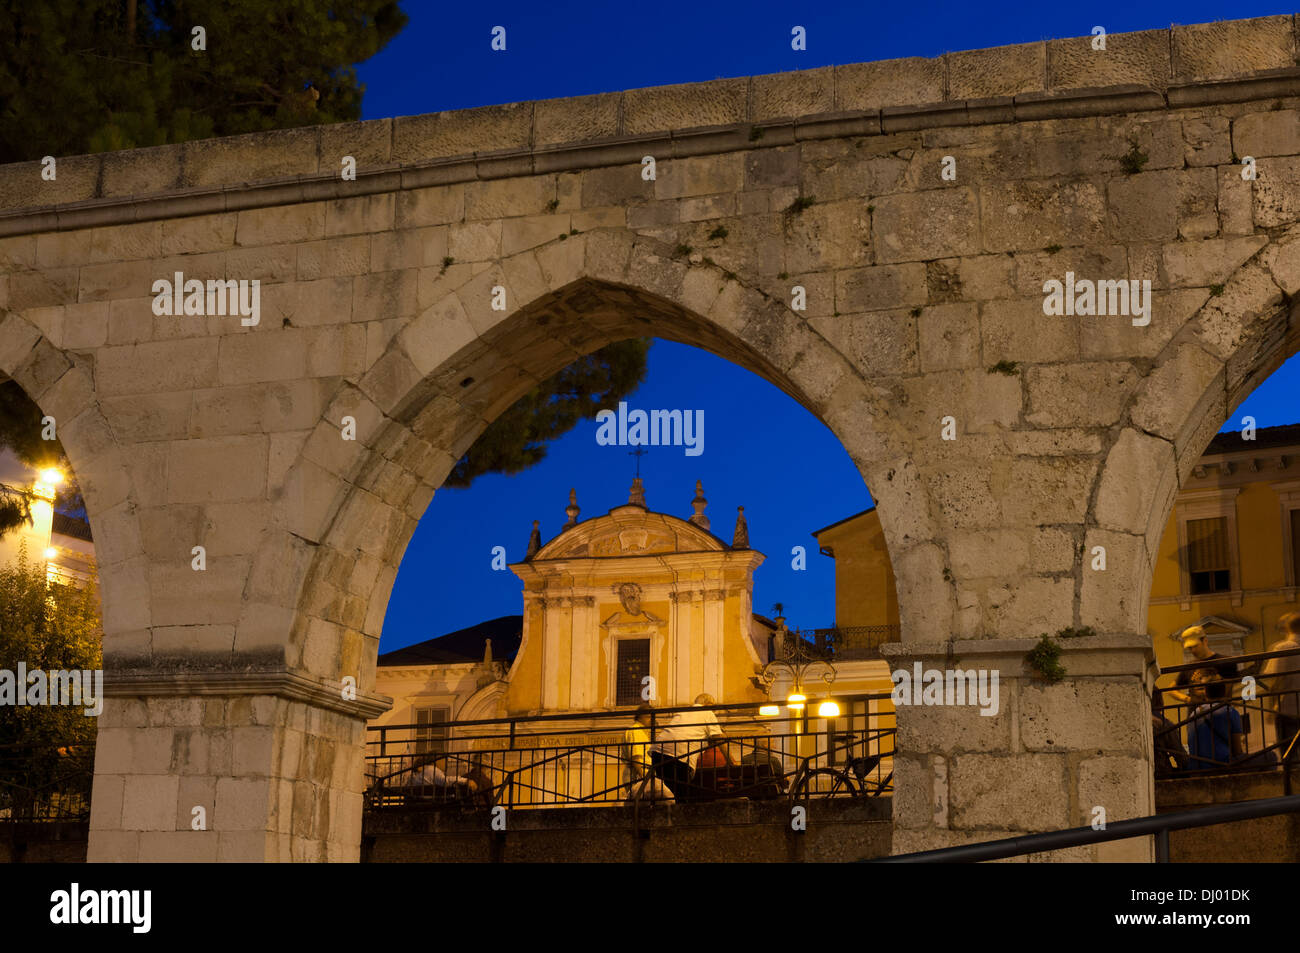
376 303
838 831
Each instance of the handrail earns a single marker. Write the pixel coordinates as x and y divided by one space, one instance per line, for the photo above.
1157 824
1238 659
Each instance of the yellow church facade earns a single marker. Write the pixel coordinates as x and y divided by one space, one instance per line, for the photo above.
635 606
629 607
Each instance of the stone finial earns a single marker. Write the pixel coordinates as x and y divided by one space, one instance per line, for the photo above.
572 510
699 503
534 540
637 493
741 538
487 651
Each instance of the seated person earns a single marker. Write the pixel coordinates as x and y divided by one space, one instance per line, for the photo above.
640 770
684 739
431 774
1214 735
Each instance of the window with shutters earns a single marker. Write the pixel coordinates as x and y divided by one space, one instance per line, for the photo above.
431 730
1295 543
632 667
1288 495
1208 558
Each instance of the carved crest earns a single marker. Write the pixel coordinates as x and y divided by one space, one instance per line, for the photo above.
629 593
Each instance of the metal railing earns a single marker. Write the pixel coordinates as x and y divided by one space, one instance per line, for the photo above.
1158 824
1231 733
45 783
840 643
590 759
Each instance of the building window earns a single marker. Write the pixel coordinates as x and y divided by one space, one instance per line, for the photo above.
431 730
1208 559
1295 543
632 667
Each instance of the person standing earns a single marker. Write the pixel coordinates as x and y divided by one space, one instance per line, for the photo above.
1281 678
1220 666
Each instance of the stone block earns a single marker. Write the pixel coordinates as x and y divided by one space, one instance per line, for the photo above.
949 337
1204 51
1009 792
1208 141
156 367
575 119
793 94
1277 191
248 158
461 132
439 205
901 82
149 802
933 224
199 470
1176 384
1079 395
1083 714
1129 58
879 343
77 179
369 143
881 287
699 175
1018 331
1001 71
507 198
207 600
663 108
1048 490
1031 214
242 805
281 224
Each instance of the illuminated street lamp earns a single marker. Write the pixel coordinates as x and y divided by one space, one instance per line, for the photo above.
45 483
828 709
50 553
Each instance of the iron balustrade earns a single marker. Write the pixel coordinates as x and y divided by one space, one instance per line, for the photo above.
1267 741
45 782
581 759
841 643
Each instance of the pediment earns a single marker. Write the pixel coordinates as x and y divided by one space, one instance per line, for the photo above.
629 531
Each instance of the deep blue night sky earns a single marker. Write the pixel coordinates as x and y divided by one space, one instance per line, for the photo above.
761 449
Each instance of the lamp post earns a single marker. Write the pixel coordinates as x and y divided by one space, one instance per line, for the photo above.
795 662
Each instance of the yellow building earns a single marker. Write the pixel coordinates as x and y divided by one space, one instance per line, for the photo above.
624 608
1228 556
865 593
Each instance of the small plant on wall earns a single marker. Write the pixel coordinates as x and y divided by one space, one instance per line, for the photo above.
1045 657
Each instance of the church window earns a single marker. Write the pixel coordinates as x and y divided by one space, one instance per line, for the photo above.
632 667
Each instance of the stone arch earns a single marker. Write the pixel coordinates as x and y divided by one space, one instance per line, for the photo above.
62 385
1208 367
351 506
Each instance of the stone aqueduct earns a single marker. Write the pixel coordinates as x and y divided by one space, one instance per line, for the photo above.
376 303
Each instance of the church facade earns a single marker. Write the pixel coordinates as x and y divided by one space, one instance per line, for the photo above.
628 607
